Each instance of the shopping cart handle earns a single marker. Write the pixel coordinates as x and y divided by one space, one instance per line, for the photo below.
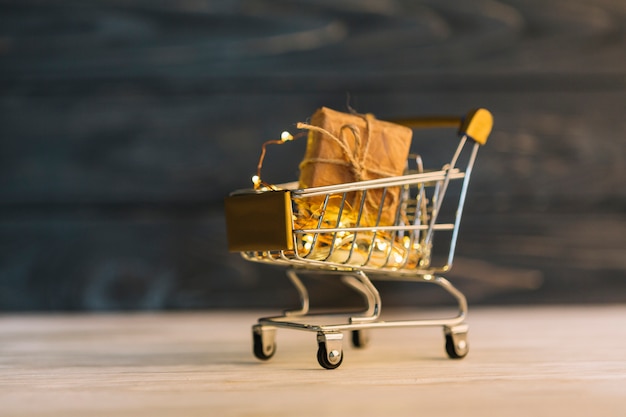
476 124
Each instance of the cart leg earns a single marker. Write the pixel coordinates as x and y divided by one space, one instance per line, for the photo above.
360 282
264 341
453 291
456 341
330 351
302 293
456 332
360 338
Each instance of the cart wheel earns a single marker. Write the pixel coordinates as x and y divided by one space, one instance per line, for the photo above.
456 345
264 344
329 360
360 338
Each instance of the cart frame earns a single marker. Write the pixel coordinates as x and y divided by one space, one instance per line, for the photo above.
427 190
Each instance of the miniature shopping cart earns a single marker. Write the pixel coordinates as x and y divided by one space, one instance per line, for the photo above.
329 230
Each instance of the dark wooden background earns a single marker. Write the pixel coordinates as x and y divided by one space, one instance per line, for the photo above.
123 125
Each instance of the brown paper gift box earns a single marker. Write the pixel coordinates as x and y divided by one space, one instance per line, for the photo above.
363 148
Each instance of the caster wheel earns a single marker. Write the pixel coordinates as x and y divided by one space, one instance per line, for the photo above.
360 338
264 345
456 345
329 360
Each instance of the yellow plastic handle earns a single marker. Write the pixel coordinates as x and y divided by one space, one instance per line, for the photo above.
476 124
429 122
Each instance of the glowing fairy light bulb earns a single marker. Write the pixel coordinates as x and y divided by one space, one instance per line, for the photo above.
381 245
308 242
256 180
285 136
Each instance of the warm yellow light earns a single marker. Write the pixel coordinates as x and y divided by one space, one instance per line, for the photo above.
307 242
285 136
256 180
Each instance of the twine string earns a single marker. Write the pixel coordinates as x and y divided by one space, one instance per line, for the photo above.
356 159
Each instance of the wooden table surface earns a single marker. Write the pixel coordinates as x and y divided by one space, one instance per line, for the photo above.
523 361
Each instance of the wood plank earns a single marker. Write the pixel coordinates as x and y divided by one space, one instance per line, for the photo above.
523 361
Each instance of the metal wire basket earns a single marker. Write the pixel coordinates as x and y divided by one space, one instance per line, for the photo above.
349 231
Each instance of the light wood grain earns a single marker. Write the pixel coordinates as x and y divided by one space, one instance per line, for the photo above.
558 361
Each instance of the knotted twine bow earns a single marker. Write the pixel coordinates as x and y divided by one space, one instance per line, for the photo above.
356 158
